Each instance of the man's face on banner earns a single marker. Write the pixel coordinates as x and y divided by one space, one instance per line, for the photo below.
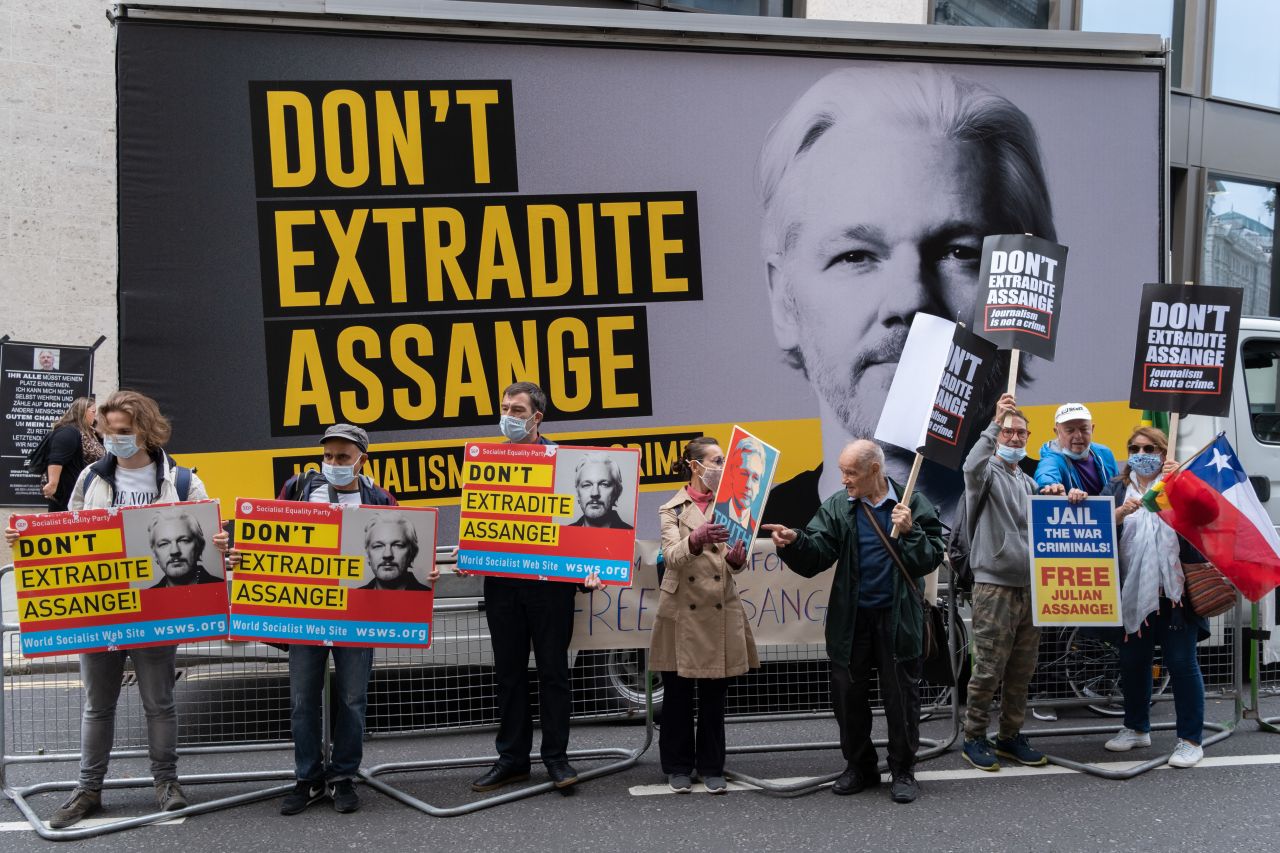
175 548
597 491
880 223
46 360
744 482
388 548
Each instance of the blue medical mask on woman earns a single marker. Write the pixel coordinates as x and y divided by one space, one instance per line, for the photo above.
516 429
1011 455
120 446
338 475
1145 464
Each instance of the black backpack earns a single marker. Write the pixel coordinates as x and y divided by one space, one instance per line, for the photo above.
38 459
961 540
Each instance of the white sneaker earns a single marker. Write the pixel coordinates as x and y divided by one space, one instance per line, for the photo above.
1127 739
1186 754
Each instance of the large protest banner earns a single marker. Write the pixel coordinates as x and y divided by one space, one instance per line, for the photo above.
749 464
1075 573
332 575
1020 300
118 578
392 225
962 399
548 512
38 383
1185 358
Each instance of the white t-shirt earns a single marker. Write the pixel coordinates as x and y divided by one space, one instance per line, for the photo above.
320 495
135 486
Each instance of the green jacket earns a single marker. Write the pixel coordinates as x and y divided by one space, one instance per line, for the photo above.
832 538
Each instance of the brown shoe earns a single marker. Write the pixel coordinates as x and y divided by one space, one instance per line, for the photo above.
170 797
78 806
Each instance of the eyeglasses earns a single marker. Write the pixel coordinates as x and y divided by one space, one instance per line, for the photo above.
1143 448
1014 433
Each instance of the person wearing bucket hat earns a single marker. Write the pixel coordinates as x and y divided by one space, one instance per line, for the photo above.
1073 464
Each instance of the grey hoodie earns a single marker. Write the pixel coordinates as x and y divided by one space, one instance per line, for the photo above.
998 552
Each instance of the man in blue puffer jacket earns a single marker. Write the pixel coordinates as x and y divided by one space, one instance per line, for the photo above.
1073 464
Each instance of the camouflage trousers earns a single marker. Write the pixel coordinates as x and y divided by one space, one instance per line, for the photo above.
1005 647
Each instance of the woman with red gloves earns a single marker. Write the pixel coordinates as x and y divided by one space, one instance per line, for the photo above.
701 638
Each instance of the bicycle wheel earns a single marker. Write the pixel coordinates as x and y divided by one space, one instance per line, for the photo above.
1092 668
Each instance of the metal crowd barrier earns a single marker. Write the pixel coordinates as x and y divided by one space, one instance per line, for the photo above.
1264 678
234 698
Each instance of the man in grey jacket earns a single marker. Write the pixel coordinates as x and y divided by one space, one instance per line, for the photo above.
1005 642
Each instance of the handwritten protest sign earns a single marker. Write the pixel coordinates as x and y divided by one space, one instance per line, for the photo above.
961 397
1075 579
748 472
1186 351
324 574
1020 293
548 512
781 607
118 578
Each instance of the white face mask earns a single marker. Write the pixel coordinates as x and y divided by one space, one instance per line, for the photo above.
1011 454
516 429
338 475
120 446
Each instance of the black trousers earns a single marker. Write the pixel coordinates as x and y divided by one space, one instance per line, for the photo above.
899 690
682 747
524 614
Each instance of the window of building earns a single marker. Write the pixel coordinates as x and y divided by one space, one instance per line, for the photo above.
1246 51
1018 14
1261 358
1164 17
1239 239
770 8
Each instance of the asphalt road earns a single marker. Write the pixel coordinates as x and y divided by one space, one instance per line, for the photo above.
1228 803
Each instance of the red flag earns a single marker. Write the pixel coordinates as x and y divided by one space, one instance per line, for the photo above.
1212 504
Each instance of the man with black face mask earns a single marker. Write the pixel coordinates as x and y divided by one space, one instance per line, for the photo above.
521 613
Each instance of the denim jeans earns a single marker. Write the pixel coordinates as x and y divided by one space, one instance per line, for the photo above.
349 695
1178 644
101 674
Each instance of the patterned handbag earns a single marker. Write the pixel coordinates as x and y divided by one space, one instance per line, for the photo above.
1207 589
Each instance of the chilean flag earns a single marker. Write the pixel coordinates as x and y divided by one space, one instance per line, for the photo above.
1212 504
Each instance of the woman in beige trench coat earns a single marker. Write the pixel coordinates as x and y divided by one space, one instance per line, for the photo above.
701 638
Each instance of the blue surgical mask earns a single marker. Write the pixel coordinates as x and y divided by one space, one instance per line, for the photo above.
338 475
120 446
516 429
1145 464
1070 454
1011 454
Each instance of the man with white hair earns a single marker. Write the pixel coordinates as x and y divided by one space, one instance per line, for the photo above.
878 186
391 546
177 543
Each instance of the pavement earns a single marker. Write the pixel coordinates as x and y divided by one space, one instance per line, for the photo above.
1227 803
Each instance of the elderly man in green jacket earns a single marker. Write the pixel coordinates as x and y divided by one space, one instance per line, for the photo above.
873 618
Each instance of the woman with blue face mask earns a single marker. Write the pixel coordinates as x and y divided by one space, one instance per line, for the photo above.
1154 607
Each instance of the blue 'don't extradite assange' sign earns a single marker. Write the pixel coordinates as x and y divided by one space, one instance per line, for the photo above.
1075 576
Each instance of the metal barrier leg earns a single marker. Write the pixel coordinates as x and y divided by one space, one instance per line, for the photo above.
1270 725
626 758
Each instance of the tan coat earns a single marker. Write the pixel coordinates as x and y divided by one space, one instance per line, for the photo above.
701 630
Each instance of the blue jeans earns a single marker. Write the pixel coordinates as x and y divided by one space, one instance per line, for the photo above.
1178 643
349 693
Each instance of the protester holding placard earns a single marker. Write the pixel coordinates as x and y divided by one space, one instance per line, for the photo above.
135 472
340 481
1005 642
874 620
1073 464
1154 606
73 445
522 613
700 638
